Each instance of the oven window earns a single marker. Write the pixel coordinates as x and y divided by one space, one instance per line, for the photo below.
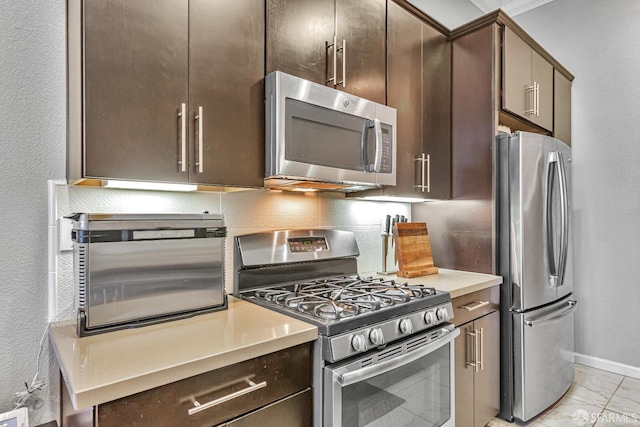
416 394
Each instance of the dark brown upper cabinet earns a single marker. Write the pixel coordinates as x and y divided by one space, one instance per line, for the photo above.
339 43
418 87
167 91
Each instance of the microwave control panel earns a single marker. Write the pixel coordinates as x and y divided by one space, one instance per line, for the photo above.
387 152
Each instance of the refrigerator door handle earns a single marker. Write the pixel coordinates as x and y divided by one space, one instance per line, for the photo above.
549 230
564 215
572 305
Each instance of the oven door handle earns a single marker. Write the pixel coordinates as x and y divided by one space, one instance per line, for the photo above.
363 374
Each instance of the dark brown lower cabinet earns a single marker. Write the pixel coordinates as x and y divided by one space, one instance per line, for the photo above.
477 364
267 391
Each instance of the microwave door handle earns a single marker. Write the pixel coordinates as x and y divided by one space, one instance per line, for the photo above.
377 165
364 158
363 374
364 151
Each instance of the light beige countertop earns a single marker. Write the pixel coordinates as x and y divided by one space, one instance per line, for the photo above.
104 367
456 282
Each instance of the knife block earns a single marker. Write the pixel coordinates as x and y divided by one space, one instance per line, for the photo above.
413 250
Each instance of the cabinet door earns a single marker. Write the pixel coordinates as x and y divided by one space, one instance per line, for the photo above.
135 80
404 75
361 23
297 35
487 380
516 77
527 84
542 77
226 70
436 111
464 376
561 108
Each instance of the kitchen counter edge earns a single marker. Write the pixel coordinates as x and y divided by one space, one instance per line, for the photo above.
456 282
109 366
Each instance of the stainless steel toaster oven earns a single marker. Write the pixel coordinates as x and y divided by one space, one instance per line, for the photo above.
140 269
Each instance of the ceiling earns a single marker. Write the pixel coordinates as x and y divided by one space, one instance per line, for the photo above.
512 7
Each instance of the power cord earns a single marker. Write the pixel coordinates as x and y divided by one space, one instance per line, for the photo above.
21 397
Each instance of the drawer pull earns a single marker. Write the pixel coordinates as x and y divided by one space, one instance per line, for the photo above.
475 305
201 407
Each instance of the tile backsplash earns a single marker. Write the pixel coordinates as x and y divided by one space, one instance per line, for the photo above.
244 211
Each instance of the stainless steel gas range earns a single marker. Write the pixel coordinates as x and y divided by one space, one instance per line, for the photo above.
384 356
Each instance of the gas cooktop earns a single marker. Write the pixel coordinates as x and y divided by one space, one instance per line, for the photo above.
339 303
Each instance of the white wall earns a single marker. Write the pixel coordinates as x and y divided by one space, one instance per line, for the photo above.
450 13
32 141
599 42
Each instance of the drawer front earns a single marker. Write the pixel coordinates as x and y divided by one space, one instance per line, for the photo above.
293 411
476 304
220 395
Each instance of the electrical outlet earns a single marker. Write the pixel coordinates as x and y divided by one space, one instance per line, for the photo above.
16 418
65 225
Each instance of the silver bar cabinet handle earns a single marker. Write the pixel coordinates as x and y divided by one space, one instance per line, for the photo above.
183 137
537 92
428 161
481 359
334 45
425 174
200 162
201 407
476 305
344 63
530 99
475 363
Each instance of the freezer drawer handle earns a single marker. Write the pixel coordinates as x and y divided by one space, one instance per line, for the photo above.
201 407
475 305
572 305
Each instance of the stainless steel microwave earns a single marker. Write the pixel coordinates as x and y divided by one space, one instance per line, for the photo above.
321 138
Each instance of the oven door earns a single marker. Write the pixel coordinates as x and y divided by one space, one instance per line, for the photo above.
407 384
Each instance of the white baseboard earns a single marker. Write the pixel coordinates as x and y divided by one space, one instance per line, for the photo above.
608 365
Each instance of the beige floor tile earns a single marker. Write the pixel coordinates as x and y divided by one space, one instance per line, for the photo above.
626 399
593 386
571 412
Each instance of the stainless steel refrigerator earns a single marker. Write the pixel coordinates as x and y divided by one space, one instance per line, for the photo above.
534 255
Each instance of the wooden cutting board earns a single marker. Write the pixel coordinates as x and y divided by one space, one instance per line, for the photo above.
413 250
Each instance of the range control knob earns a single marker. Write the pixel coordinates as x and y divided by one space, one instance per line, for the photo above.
442 314
429 318
406 327
376 336
358 343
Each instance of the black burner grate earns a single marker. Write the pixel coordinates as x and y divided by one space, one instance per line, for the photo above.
337 298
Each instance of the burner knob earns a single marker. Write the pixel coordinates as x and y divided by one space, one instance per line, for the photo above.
429 318
442 314
358 343
376 336
406 327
